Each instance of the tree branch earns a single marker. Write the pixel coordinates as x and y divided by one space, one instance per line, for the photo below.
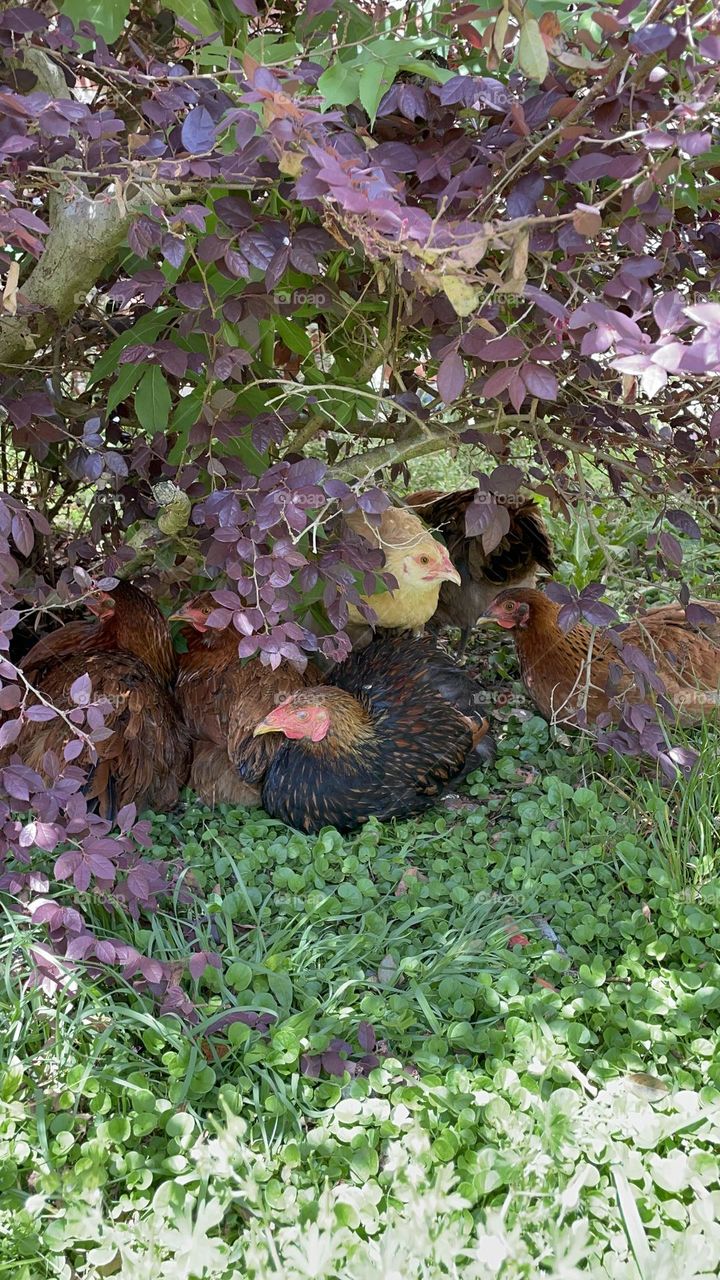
361 466
85 234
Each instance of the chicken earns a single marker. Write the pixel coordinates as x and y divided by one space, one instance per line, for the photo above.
78 636
396 726
418 562
129 657
513 562
554 664
222 700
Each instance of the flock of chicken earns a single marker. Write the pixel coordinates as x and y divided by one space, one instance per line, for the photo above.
385 733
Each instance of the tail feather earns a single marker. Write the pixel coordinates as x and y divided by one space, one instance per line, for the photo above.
100 791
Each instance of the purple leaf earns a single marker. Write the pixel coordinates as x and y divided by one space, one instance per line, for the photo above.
698 616
568 616
524 198
476 343
560 594
694 144
126 817
198 131
333 1063
81 690
652 39
374 502
669 312
506 480
41 714
67 863
546 302
22 532
685 523
366 1037
595 165
466 91
101 867
451 377
498 382
190 295
516 391
9 732
670 547
22 21
540 382
197 964
598 614
710 48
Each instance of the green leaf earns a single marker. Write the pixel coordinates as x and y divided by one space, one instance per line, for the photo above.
364 1163
293 335
146 329
195 11
241 446
632 1222
184 417
373 85
123 385
532 54
239 976
107 16
428 69
281 987
152 400
338 85
463 297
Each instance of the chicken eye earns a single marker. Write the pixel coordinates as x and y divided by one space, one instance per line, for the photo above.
302 715
509 606
424 559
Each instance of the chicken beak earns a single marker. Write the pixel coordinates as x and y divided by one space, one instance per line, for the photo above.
445 572
485 620
264 727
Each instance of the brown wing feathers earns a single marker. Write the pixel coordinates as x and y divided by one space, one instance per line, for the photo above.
145 758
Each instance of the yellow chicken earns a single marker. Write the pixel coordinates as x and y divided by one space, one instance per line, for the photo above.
418 562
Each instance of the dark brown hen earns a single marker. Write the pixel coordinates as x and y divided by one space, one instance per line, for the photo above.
222 699
129 657
398 726
515 561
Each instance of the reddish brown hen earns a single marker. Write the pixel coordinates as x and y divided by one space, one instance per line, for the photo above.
575 674
395 727
222 700
129 657
515 561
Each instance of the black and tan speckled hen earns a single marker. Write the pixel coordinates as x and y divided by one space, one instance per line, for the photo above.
395 727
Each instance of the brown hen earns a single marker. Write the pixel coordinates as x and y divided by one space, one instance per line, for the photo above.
222 699
575 676
515 561
129 657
